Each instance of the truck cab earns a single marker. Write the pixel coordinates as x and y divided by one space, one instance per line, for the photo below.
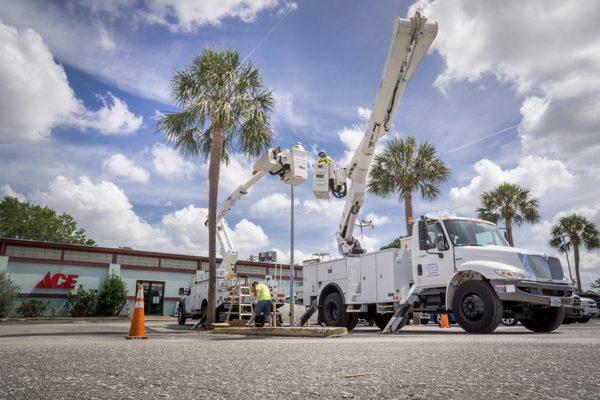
475 270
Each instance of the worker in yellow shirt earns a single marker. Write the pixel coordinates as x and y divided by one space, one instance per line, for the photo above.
324 158
263 303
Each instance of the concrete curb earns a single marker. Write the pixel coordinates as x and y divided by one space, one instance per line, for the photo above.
321 332
62 320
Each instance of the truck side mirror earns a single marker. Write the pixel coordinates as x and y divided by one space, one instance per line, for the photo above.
423 237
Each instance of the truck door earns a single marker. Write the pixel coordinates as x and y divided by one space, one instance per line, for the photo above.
434 266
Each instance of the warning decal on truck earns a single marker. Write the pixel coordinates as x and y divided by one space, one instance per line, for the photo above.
432 269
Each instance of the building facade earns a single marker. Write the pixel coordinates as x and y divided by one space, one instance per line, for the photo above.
49 271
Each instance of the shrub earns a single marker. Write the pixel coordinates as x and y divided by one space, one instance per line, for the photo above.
8 294
31 308
113 296
83 303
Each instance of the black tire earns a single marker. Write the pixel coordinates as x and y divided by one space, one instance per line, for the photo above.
352 321
381 320
584 320
333 311
477 307
181 317
544 319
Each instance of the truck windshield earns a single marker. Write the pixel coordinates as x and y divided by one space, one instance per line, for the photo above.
473 233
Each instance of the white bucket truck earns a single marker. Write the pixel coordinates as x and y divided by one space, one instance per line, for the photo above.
291 167
451 264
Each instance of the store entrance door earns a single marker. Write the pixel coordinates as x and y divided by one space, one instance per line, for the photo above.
153 297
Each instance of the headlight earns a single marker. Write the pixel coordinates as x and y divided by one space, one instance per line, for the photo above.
511 274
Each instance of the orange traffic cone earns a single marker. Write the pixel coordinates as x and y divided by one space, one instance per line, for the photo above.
138 327
444 321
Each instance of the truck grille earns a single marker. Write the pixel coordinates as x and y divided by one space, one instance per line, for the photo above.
544 268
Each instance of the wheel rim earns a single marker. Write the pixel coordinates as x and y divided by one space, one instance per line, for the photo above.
333 312
472 306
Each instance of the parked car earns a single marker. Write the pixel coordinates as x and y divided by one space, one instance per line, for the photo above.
590 309
574 312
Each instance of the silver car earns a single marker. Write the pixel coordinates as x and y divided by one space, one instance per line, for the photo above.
590 309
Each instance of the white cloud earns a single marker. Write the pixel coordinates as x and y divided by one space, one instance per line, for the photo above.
113 118
186 230
106 213
36 96
323 212
103 210
187 15
540 175
168 163
7 190
118 165
285 110
559 69
271 204
249 237
377 219
105 38
364 112
233 175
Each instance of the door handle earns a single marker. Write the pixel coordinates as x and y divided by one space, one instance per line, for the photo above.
419 269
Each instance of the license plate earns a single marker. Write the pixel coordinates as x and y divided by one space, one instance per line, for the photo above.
555 302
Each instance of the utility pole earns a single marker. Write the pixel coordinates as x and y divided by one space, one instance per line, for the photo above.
292 269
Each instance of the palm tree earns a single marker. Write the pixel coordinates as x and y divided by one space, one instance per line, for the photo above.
403 168
578 230
224 108
511 204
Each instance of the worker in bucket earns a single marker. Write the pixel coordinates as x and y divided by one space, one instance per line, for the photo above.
324 158
263 303
298 146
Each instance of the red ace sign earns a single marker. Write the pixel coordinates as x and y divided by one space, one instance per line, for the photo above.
57 281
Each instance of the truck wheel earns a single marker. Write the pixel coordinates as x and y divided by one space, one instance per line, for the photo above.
333 312
544 319
381 320
476 307
352 321
181 317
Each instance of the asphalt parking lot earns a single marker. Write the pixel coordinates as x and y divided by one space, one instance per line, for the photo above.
94 361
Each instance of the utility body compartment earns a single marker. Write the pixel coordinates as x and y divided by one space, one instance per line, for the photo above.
378 277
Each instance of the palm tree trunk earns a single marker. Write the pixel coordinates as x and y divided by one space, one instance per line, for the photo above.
408 211
576 256
214 168
508 222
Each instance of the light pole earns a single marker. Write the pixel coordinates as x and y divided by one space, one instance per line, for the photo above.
292 269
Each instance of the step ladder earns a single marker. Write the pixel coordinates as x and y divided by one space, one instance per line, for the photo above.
400 317
244 303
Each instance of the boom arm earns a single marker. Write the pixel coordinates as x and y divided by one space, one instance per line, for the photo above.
410 41
288 164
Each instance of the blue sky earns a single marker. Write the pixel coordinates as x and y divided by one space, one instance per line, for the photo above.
82 82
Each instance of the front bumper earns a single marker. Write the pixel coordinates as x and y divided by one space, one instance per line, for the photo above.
540 293
592 312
